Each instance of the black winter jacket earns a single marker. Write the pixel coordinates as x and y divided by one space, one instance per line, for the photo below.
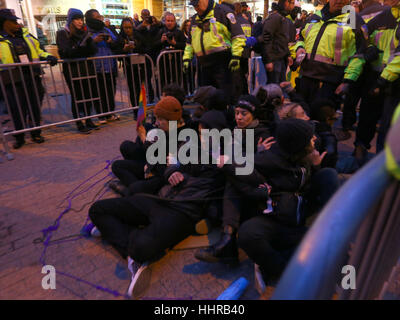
276 36
288 181
177 34
75 46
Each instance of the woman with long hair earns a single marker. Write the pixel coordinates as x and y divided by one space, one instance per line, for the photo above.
130 44
74 42
186 28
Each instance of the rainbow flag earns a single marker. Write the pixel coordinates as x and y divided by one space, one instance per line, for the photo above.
141 115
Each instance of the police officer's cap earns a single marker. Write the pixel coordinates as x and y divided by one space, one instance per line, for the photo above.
194 2
8 14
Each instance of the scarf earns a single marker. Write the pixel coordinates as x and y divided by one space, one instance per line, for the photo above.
95 24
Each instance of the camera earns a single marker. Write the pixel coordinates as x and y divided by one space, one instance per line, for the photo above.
170 35
149 19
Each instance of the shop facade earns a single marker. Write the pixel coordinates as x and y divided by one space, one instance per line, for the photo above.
51 15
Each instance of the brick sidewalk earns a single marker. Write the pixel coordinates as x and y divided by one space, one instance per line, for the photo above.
31 198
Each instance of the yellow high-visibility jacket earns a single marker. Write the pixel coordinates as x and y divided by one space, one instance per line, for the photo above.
384 33
219 31
337 56
7 53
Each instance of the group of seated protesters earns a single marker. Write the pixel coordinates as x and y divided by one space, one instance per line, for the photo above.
264 212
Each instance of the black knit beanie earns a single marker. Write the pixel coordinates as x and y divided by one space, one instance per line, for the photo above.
294 135
248 102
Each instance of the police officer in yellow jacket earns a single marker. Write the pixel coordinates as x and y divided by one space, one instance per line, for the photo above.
217 41
24 90
369 10
389 79
333 53
379 82
239 77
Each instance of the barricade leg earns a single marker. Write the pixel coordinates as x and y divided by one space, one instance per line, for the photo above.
3 140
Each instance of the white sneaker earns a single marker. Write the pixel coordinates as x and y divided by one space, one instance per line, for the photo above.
95 233
141 277
259 280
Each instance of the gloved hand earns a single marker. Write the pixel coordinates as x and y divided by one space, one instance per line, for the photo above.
378 87
52 60
251 42
343 89
186 64
372 54
234 64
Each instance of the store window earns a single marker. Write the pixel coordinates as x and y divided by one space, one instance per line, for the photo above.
51 15
180 8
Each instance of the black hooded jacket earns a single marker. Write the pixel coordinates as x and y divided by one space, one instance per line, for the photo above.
73 46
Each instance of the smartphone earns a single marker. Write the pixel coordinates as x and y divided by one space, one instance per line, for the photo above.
106 36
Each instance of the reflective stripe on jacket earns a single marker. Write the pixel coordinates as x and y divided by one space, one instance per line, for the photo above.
7 51
338 53
384 34
218 31
392 146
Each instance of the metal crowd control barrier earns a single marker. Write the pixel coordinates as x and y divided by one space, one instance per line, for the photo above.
353 214
170 70
38 96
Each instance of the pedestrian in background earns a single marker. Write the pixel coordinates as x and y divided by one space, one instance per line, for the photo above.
106 69
73 42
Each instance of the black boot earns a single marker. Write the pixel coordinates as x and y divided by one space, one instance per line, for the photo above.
225 250
19 142
91 125
81 127
119 188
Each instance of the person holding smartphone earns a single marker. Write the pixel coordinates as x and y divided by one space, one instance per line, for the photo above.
106 69
129 44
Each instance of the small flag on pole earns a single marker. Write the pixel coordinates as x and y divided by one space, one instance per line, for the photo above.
141 115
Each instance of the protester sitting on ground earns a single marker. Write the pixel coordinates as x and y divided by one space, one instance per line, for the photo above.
73 42
271 97
211 98
324 116
176 91
237 203
292 110
297 189
135 167
326 139
141 227
106 69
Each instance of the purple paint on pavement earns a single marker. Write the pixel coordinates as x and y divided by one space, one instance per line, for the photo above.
48 232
